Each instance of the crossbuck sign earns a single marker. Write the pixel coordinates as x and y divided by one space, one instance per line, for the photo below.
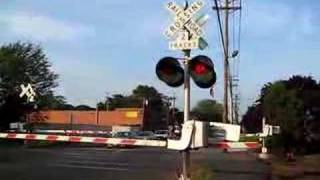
184 26
28 91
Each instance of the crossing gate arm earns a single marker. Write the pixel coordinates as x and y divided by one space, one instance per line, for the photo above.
84 139
185 139
235 145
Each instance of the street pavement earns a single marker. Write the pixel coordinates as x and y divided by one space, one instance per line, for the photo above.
91 163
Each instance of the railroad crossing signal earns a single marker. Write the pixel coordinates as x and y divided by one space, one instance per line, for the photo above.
186 31
201 68
202 71
185 34
183 19
169 71
28 91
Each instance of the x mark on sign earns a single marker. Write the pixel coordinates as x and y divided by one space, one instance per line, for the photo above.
28 91
183 19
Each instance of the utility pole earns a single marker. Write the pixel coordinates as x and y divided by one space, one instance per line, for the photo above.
226 64
173 108
225 43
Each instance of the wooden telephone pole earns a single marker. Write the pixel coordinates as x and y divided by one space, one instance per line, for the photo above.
226 65
225 43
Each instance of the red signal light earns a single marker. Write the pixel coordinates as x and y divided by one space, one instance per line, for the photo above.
202 71
200 68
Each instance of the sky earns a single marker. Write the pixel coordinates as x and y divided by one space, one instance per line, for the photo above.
101 47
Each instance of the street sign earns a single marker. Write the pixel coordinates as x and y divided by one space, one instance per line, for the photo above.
28 91
182 17
202 43
184 45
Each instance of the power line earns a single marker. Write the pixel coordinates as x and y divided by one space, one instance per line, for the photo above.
220 27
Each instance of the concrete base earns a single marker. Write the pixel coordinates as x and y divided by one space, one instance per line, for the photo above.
264 156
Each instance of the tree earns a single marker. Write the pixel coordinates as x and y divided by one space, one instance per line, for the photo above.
294 104
208 110
53 102
252 119
156 109
119 101
283 107
22 63
83 107
147 92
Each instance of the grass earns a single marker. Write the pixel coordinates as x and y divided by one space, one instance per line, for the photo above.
249 139
202 172
304 165
286 170
311 164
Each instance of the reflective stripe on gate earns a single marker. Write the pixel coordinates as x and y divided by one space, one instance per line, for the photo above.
93 140
236 145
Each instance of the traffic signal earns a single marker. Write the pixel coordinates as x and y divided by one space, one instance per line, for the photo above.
169 71
202 71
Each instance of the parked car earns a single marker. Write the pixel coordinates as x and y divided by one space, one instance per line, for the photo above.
148 135
125 134
161 134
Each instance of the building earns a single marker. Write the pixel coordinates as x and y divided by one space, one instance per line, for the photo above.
93 119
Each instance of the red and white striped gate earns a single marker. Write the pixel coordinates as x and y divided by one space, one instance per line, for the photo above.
84 139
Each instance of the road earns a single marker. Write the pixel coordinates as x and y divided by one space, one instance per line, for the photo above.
18 163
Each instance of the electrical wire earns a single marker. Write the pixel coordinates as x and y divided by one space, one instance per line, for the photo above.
220 28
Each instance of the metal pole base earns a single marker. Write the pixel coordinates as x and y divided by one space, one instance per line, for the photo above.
182 178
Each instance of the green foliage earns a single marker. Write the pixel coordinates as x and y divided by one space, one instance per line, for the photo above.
22 63
83 107
52 102
25 63
294 105
202 172
283 107
275 142
251 121
208 110
249 139
136 100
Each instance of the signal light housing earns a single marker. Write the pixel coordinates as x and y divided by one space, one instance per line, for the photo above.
202 71
169 71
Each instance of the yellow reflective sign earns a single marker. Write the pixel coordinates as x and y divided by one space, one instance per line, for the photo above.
132 114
